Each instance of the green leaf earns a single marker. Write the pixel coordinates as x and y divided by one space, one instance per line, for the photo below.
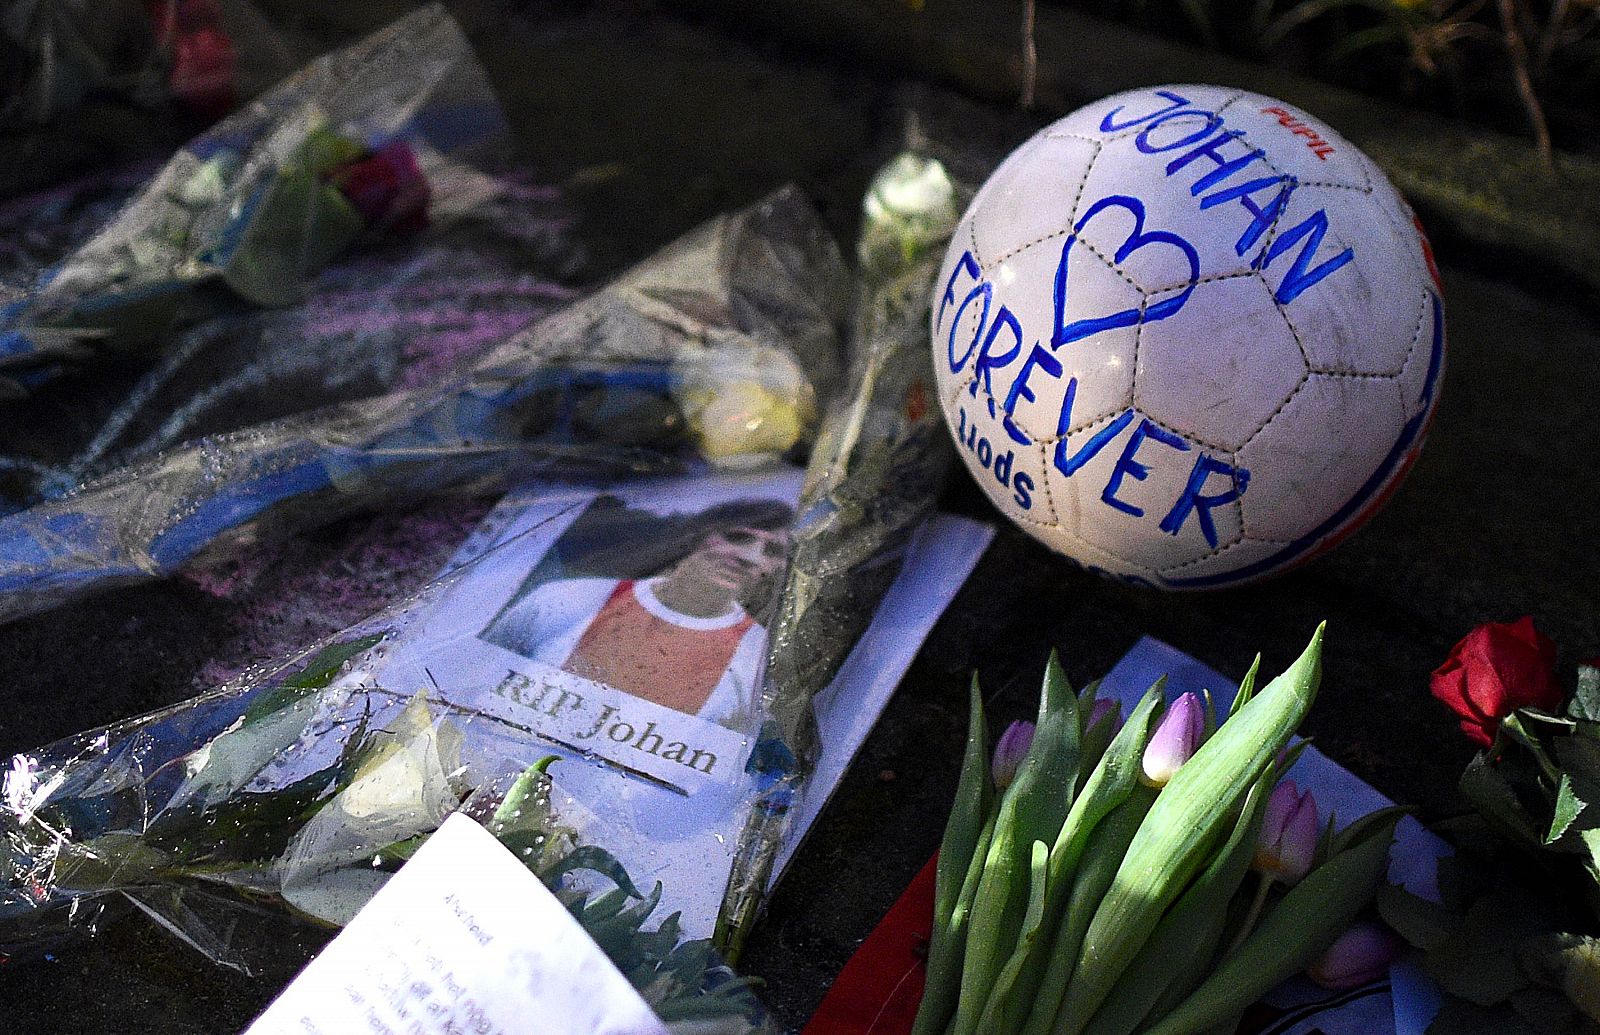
1107 787
1478 961
317 673
590 857
1568 805
1580 756
1569 963
1183 826
1098 869
1247 688
1489 792
1550 1013
1179 953
1303 924
1585 702
1032 809
1422 923
1001 1014
1373 824
965 832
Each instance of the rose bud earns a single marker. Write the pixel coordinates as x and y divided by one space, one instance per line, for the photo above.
203 70
387 187
1357 957
1288 840
1496 669
1175 740
1010 751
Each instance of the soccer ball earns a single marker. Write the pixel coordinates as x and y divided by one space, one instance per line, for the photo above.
1188 336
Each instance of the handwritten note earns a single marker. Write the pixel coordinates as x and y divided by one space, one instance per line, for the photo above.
462 941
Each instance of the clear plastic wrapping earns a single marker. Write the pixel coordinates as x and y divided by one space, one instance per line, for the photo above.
664 640
203 56
307 783
714 350
360 144
873 478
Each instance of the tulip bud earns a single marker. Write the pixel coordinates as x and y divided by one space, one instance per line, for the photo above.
1359 956
1287 844
1103 707
1010 751
1175 740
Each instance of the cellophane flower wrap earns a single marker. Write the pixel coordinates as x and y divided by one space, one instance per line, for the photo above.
360 144
202 57
873 478
714 351
307 782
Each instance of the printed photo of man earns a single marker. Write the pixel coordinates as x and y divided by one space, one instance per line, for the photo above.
688 635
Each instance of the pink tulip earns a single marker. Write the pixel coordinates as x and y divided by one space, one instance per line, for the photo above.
1287 844
1178 735
1359 956
1103 707
1010 751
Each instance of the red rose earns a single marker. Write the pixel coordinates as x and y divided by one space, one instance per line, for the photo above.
387 188
1494 670
203 68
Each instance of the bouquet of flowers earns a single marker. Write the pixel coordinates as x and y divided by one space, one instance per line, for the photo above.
873 478
354 146
203 55
1513 944
1095 879
307 785
713 351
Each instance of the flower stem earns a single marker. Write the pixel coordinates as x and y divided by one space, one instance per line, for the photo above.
1250 918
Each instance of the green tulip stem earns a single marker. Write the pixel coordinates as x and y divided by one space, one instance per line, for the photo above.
1256 905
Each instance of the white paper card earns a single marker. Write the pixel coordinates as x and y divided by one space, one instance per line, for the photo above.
464 940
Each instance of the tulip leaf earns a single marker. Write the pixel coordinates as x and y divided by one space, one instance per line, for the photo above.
1180 950
1309 916
1183 827
1095 741
1107 787
967 832
1096 872
1568 806
1032 809
1373 824
1247 688
1004 1011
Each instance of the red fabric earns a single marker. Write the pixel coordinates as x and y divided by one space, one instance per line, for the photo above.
1496 669
879 990
629 648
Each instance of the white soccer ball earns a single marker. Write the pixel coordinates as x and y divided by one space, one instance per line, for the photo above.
1188 336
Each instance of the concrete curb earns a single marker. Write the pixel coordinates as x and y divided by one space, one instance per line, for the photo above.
1482 189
